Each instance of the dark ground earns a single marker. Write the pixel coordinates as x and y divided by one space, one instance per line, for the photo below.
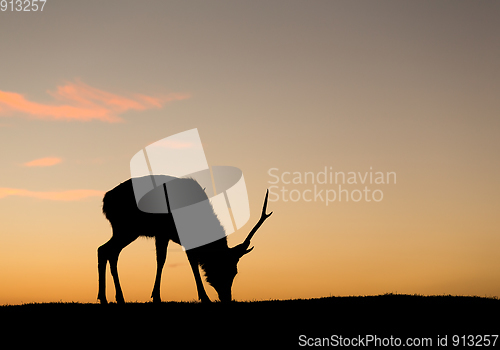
259 324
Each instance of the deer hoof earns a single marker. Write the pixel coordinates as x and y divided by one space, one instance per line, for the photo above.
102 299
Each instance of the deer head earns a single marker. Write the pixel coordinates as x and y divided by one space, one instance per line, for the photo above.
226 266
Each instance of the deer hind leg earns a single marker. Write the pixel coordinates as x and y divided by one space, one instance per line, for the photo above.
161 243
110 251
102 261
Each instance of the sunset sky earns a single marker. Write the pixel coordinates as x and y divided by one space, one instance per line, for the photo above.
274 88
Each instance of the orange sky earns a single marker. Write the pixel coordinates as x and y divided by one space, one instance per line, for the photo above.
408 88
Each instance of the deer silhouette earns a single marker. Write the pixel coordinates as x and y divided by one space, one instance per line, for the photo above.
218 261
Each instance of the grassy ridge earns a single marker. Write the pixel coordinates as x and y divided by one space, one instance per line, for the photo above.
278 322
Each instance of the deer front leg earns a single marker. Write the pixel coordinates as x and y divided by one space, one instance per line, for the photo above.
161 256
202 295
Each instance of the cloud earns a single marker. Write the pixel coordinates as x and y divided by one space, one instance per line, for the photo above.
70 195
173 144
43 162
81 102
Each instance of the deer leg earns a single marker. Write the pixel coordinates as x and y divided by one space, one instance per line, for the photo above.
102 261
161 243
113 265
115 247
202 295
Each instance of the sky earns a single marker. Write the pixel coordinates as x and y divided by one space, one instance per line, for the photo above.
290 92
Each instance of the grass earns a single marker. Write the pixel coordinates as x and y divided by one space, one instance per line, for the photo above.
271 322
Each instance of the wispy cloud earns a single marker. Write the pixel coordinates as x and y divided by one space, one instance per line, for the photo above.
78 101
173 144
70 195
43 162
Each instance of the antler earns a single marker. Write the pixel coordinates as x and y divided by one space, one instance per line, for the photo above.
263 218
241 249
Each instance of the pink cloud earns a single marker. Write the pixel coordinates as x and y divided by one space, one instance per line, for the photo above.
78 101
173 144
43 162
70 195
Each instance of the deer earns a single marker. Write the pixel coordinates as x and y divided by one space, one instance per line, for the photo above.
217 260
